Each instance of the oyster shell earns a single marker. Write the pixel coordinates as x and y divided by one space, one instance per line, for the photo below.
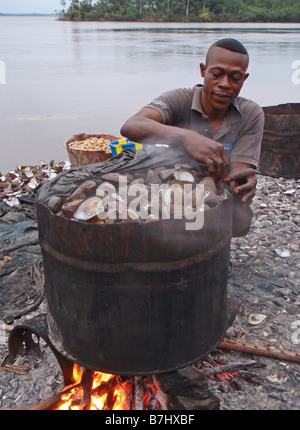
184 176
255 319
88 209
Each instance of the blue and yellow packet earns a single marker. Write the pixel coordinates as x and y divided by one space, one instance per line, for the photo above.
119 145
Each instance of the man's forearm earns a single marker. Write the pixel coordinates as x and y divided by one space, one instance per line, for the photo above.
141 129
147 127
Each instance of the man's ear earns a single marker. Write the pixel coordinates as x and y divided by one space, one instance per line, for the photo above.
202 69
246 76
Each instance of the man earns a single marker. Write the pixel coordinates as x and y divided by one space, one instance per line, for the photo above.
214 125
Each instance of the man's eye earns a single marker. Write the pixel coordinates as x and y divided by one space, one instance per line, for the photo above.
217 75
236 78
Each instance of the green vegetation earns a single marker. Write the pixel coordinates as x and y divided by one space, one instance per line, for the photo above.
181 10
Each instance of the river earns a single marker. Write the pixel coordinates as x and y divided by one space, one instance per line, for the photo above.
62 78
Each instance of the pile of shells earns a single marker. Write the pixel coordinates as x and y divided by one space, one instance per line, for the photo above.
271 247
155 194
24 179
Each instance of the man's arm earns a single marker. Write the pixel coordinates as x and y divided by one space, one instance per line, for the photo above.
148 123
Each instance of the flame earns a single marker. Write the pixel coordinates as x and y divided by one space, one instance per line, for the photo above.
119 393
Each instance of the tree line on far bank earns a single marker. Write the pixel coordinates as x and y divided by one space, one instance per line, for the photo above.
181 10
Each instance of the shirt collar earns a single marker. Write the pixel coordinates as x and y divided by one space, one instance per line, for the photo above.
233 112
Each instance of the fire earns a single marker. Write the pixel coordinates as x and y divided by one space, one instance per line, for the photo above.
107 392
102 391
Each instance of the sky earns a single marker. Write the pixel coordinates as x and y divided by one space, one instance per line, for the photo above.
29 6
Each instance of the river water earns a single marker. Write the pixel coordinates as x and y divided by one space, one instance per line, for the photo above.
62 78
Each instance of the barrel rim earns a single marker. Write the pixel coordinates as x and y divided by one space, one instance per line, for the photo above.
281 110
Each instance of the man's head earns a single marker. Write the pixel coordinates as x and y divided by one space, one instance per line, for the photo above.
224 73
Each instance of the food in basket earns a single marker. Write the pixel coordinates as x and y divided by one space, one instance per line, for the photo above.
91 144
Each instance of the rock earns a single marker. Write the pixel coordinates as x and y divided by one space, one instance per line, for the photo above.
282 292
292 309
185 389
280 302
279 272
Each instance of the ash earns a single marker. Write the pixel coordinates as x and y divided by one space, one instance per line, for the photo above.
265 277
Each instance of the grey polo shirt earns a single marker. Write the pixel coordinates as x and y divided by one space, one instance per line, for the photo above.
241 131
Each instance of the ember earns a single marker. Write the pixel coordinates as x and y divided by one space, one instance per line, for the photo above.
215 369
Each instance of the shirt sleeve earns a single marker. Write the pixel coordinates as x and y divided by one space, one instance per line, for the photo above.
171 105
247 147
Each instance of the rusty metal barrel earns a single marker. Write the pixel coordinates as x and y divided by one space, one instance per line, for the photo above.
136 298
133 298
280 154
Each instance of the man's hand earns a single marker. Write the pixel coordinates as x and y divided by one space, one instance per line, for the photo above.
148 123
243 181
206 151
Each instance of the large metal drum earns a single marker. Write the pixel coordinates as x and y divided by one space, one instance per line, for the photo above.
136 298
280 153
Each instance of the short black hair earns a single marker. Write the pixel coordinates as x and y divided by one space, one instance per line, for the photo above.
231 45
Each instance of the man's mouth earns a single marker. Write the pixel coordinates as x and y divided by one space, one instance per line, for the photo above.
221 95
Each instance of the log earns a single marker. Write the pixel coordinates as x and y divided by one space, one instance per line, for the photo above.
87 384
265 351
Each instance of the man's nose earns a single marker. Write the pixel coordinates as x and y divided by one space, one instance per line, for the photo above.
224 82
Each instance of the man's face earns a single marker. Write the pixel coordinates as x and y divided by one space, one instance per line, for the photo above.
224 75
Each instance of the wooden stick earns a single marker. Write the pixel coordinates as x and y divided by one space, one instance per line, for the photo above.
138 385
226 368
47 405
249 348
21 370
